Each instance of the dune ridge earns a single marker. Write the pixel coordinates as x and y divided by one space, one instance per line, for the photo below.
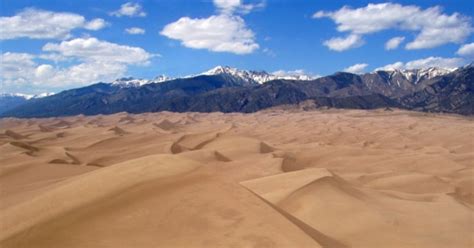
276 178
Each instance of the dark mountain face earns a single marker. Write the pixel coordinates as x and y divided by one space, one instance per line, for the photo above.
8 102
105 98
452 93
418 90
391 84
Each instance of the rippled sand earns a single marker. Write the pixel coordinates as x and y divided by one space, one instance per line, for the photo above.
277 178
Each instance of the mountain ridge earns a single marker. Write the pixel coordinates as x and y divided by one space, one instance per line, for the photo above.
219 89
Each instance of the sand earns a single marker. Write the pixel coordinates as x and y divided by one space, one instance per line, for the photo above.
276 178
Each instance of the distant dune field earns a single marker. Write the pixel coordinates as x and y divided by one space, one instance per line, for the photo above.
276 178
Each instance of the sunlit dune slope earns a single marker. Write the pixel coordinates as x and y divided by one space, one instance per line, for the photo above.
276 178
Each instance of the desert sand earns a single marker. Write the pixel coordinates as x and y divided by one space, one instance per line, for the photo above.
276 178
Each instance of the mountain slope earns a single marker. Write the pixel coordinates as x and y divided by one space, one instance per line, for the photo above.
230 90
248 78
104 98
10 101
453 93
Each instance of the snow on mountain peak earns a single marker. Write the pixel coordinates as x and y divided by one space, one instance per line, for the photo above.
417 75
44 94
294 75
161 79
27 96
259 77
133 82
221 70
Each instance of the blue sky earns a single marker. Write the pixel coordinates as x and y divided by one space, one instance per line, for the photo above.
55 45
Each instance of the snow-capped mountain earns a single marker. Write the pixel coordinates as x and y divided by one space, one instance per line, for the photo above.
44 94
133 82
11 100
298 75
416 75
423 89
233 75
27 96
255 77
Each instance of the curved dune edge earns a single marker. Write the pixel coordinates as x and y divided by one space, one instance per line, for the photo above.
332 178
337 213
274 189
237 147
278 187
91 187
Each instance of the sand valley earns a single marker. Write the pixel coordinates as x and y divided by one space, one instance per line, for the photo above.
275 178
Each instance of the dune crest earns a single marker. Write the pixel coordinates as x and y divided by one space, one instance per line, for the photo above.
282 177
165 125
92 188
14 135
118 131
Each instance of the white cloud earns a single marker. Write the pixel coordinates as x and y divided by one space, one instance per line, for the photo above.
94 61
92 49
467 50
435 28
224 32
340 44
22 73
440 62
135 30
435 62
44 71
395 66
15 68
394 42
41 24
269 52
96 24
295 73
231 6
356 69
217 33
129 9
53 57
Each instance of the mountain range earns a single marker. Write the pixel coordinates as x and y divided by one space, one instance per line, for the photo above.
229 89
9 101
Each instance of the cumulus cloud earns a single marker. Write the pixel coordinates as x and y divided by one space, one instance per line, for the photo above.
129 9
343 43
231 6
467 50
433 26
394 42
23 72
94 60
440 62
356 69
41 24
16 68
395 66
96 24
217 33
55 57
223 32
92 49
135 30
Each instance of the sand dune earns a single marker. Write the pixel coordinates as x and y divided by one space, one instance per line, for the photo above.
13 135
118 131
277 178
166 125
